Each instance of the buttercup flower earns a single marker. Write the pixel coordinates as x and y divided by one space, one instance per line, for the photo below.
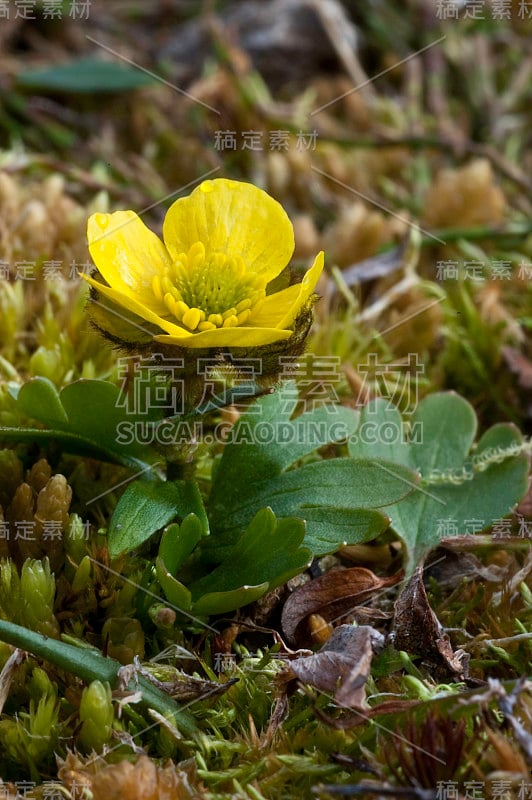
206 286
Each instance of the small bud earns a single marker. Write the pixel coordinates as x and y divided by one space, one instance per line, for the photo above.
53 188
161 615
96 714
9 194
39 475
11 474
75 539
82 575
37 593
32 738
40 684
22 506
9 591
54 501
306 236
40 731
32 218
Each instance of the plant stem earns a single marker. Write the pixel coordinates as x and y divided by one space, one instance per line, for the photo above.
89 665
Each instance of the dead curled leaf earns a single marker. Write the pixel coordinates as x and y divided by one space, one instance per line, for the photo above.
9 670
418 631
333 596
449 568
341 667
180 685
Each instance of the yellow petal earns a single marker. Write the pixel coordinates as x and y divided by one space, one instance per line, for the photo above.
234 218
280 309
128 255
227 337
130 304
274 307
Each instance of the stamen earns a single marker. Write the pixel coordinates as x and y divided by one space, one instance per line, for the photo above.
205 292
192 318
243 305
244 316
181 308
170 303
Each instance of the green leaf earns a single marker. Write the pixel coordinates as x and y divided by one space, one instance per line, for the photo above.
245 454
87 418
331 528
87 75
177 594
39 399
459 488
267 554
178 542
73 443
315 492
93 406
336 497
268 550
147 507
222 602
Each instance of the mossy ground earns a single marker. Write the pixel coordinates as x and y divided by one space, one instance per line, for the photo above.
435 157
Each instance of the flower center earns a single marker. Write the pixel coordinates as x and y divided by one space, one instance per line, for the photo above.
204 293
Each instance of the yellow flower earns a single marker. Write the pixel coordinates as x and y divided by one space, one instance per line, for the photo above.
206 286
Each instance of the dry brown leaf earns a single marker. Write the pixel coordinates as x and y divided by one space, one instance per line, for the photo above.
449 569
9 670
75 772
333 596
342 666
418 631
283 40
178 684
